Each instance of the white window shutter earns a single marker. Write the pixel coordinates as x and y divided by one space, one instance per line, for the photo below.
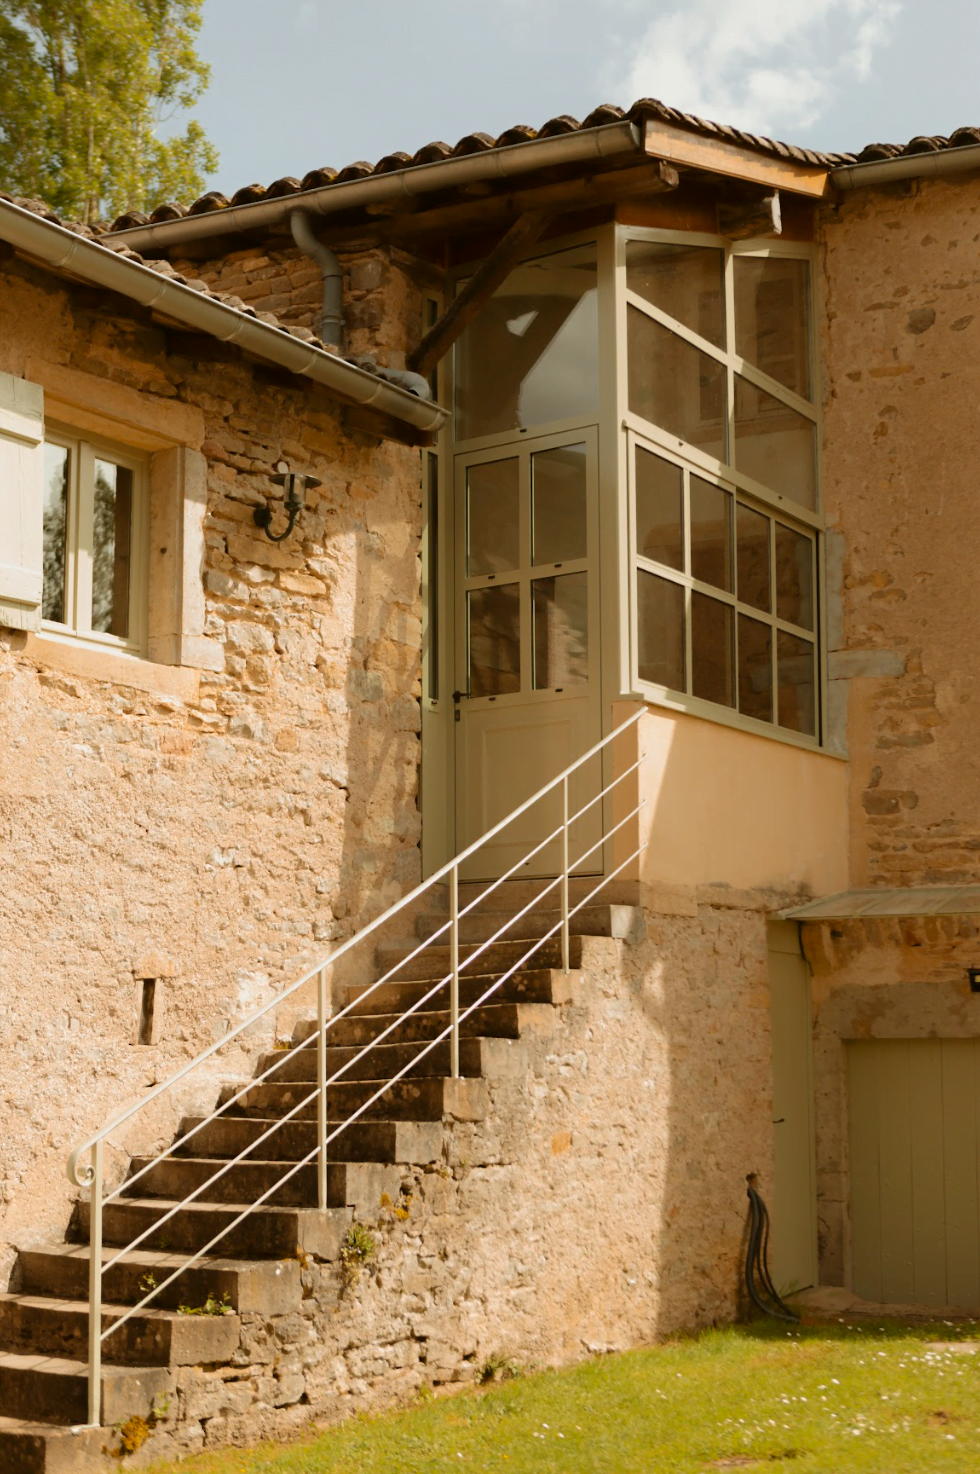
21 502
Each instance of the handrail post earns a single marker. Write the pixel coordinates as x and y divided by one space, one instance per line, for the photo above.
321 1080
564 875
95 1290
454 964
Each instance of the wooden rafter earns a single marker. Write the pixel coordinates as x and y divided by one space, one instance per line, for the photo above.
478 290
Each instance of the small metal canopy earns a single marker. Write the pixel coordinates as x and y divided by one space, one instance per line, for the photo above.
921 900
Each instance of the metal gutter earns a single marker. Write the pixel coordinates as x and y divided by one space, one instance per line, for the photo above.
65 251
932 165
586 146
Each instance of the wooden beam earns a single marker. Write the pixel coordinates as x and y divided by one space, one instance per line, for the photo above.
692 151
570 195
741 220
478 290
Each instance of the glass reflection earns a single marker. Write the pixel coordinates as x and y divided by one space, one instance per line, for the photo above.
659 509
55 524
774 444
674 385
752 532
558 504
660 629
494 631
687 282
112 537
754 668
712 655
492 517
531 355
772 318
560 613
711 534
797 688
794 577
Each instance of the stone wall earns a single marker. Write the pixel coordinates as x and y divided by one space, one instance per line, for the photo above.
901 285
590 1197
214 827
881 978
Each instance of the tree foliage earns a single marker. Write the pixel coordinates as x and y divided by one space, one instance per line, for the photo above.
85 87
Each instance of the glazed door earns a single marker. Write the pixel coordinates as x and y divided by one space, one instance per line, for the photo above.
527 645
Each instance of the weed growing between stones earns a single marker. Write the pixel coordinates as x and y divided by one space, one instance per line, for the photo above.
498 1368
211 1306
358 1247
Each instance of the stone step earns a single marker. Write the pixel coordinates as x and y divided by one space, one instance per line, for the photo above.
358 1185
543 985
498 957
53 1389
491 1020
406 1100
46 1448
42 1326
601 919
266 1233
257 1287
383 1062
401 1142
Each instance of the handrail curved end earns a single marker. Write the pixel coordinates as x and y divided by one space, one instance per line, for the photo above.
80 1176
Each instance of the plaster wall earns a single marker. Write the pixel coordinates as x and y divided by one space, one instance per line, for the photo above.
217 824
726 808
900 336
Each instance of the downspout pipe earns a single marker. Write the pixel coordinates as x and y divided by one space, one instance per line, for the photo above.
930 165
67 252
330 328
331 324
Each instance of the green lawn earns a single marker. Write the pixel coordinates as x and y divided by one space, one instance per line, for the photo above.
834 1399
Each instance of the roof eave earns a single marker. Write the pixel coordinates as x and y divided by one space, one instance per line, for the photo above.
63 250
587 146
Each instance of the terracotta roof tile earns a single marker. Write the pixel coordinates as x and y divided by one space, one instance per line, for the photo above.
604 114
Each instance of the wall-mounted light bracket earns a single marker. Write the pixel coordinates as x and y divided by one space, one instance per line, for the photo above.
973 973
295 487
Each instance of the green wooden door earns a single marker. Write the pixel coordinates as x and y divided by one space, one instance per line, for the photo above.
793 1252
914 1108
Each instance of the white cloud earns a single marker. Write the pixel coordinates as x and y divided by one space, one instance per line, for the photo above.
763 65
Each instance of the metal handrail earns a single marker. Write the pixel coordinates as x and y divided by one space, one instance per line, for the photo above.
91 1175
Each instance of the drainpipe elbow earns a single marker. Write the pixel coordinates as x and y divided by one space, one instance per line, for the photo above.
331 325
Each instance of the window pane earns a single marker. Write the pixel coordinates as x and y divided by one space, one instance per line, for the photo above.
56 466
774 444
712 639
493 538
711 534
754 668
532 353
796 669
674 385
660 629
659 509
561 630
494 625
794 577
558 525
753 557
685 281
112 536
772 318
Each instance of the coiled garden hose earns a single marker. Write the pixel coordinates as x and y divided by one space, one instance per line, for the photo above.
757 1263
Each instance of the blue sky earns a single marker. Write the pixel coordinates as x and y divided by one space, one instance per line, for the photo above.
298 84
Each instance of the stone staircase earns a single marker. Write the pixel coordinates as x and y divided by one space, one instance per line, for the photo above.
256 1269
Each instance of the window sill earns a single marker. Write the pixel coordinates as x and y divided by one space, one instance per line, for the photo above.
62 653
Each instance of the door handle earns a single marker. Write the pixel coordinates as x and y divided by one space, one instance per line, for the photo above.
780 1121
459 696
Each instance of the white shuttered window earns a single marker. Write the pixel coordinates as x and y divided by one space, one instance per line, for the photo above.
21 502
